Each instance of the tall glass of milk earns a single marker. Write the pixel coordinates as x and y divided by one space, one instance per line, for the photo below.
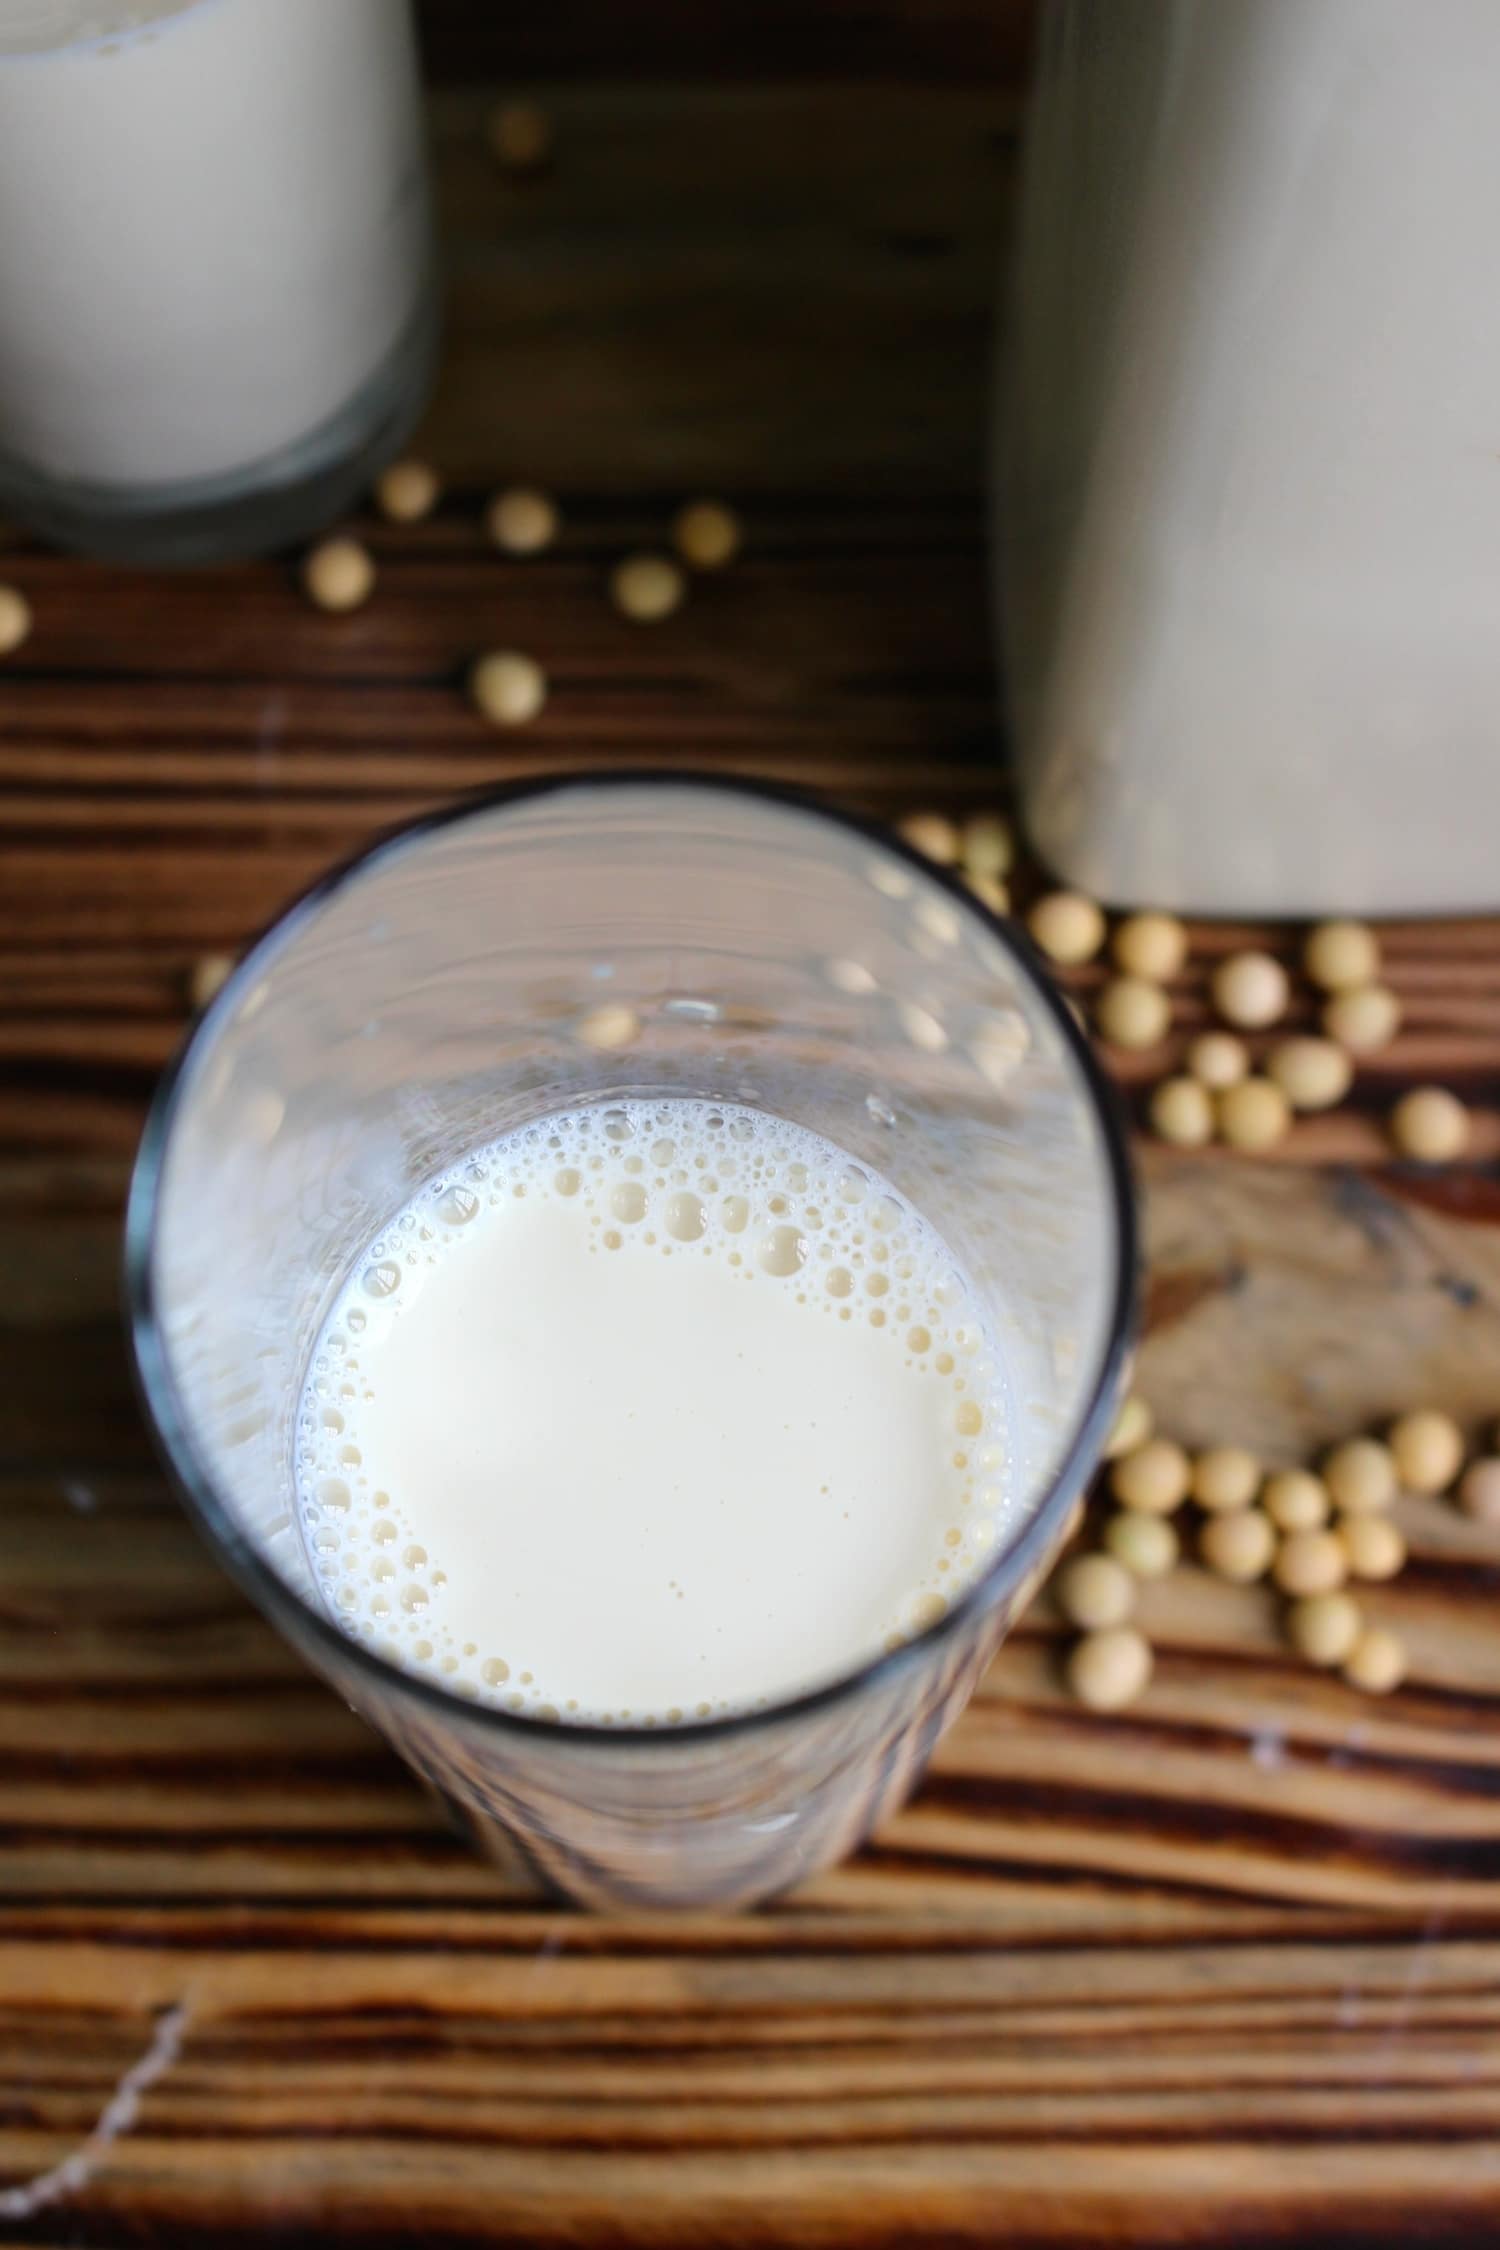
217 308
632 1276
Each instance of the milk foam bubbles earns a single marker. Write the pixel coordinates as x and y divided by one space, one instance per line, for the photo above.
655 1410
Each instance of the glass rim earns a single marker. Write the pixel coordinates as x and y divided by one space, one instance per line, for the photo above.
196 1485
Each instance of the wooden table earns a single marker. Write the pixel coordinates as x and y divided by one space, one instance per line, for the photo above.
1224 1970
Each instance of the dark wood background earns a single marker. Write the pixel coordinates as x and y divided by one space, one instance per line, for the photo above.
1225 1970
855 42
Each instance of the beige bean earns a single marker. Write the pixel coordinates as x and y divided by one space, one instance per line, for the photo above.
1364 1020
988 889
1479 1490
1147 1545
707 535
1312 1073
1325 1627
1340 956
407 491
1108 1670
1296 1500
208 977
1250 990
1154 1478
1373 1546
647 588
521 521
1225 1477
988 845
1218 1059
1182 1113
612 1025
1430 1126
1428 1448
932 834
1377 1662
1153 946
1094 1591
15 619
507 688
1132 1013
1361 1476
1239 1546
338 574
1068 927
1310 1562
1133 1425
1254 1115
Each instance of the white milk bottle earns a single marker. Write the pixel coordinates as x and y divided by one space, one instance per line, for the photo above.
1252 508
216 294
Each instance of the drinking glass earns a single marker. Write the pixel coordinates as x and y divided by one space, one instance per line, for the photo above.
592 938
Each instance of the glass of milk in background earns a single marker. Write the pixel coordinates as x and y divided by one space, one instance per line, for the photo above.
217 300
632 1276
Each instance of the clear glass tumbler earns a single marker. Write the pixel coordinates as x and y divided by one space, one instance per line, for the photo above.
587 938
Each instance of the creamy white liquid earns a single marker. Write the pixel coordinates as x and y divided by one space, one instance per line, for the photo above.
212 227
650 1412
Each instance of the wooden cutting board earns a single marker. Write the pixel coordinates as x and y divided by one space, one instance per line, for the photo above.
1223 1970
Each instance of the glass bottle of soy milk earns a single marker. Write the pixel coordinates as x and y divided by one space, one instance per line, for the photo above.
1251 521
216 295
